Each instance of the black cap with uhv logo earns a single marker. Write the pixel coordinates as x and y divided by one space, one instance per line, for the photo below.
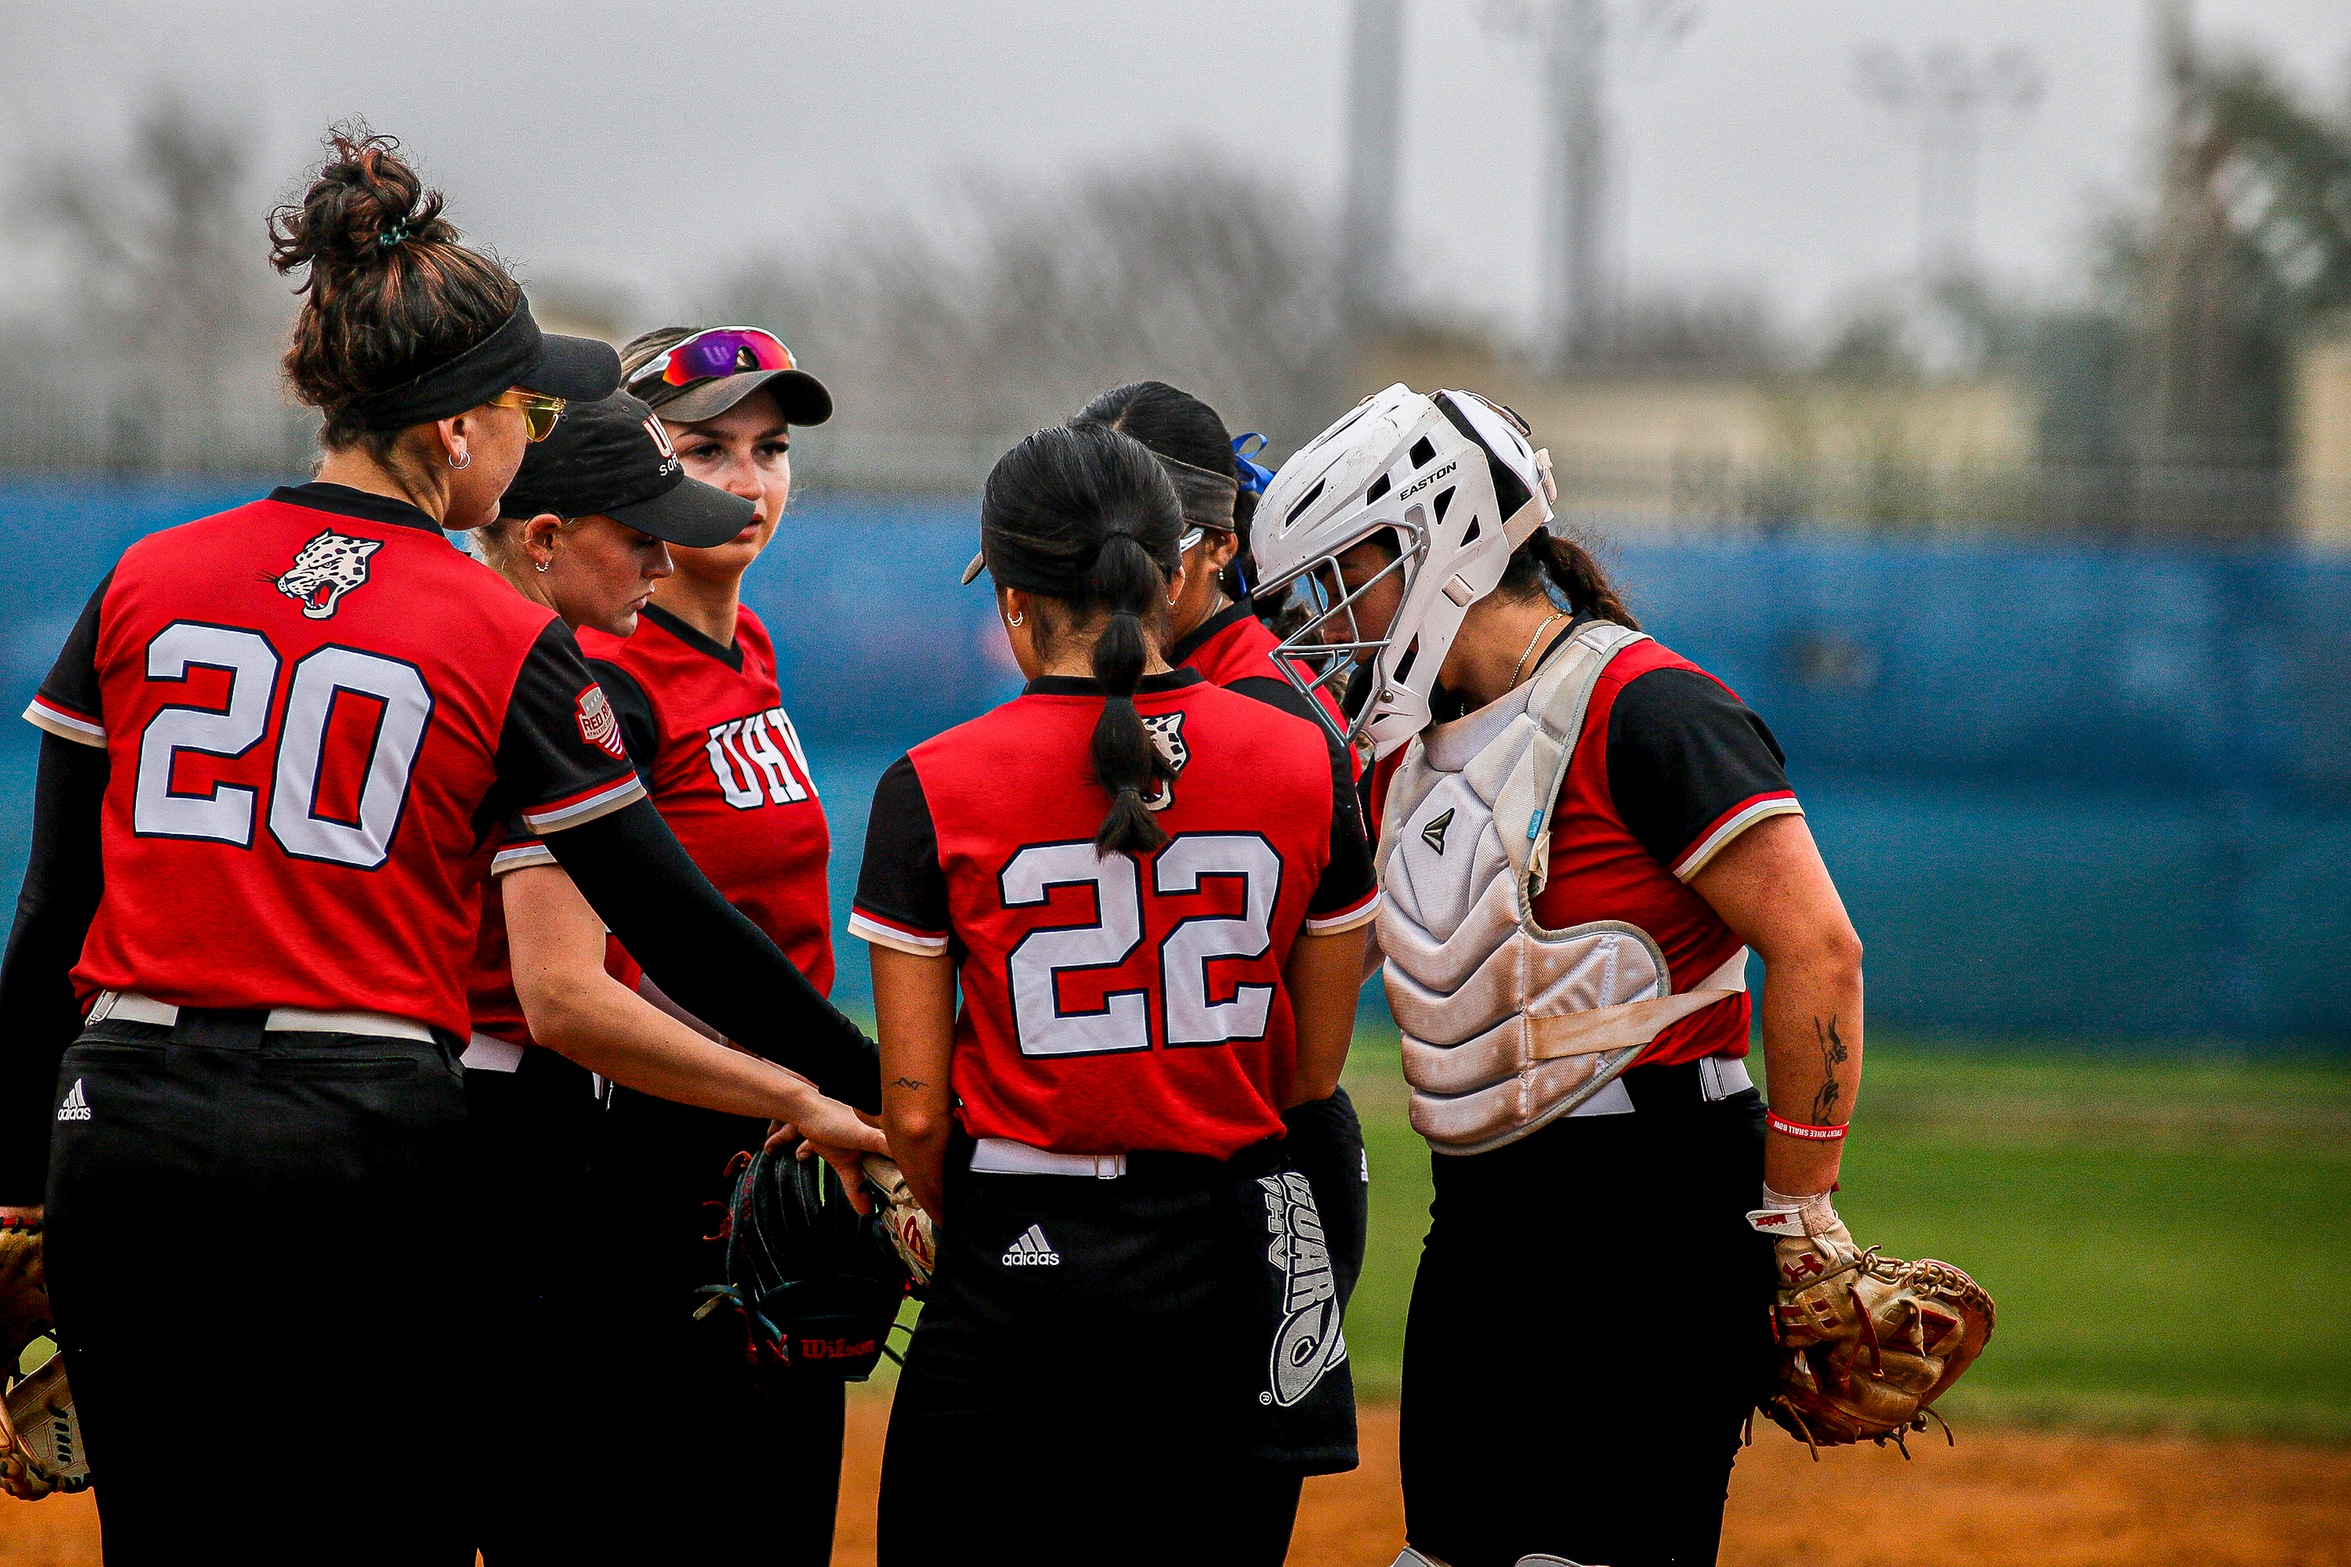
613 459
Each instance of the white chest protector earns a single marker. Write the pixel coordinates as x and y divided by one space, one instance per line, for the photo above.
1509 1025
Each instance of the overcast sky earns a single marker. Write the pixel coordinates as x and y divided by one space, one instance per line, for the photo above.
648 145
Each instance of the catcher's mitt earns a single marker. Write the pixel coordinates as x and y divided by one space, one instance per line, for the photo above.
812 1285
40 1440
1866 1343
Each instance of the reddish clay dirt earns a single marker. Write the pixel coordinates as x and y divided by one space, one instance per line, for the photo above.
2001 1499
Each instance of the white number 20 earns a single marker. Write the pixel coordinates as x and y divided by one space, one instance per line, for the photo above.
225 812
1042 957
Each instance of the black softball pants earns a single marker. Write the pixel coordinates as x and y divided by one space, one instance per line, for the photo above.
748 1478
1074 1406
1588 1331
253 1250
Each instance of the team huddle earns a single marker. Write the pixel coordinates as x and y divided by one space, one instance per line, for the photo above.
421 1081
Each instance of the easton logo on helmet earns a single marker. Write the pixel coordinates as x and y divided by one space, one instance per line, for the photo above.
328 567
598 725
1308 1342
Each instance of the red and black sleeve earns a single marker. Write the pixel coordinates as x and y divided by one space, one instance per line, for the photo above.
67 705
1690 767
901 887
1348 895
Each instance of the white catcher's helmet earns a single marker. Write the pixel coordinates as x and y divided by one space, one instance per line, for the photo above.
1452 476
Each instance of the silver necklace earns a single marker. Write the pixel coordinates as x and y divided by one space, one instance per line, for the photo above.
1531 641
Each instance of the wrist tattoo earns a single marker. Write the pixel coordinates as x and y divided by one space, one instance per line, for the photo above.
1833 1055
906 1082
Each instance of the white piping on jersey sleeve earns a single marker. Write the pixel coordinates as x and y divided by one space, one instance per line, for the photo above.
585 808
921 944
1729 828
65 725
516 856
1352 917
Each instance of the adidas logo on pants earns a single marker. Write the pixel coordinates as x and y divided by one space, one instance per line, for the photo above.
1032 1250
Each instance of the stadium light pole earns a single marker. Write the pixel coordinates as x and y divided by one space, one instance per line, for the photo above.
1375 142
1943 101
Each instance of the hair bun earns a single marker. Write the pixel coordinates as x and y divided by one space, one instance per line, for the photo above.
363 204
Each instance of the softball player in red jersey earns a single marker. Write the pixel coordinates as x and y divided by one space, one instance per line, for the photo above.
277 740
1132 1344
1580 837
588 527
1222 638
694 687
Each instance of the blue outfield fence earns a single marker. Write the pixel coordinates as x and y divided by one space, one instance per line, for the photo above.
2067 792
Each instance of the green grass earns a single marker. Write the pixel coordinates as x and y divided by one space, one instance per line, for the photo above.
2167 1235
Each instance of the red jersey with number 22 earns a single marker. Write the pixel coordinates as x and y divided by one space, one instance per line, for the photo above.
1133 1001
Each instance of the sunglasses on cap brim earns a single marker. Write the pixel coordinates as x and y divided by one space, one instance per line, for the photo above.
713 352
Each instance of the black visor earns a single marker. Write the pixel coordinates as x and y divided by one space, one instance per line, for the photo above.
578 369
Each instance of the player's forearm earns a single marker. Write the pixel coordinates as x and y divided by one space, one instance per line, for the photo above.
914 1012
597 1023
1811 1015
1322 977
705 954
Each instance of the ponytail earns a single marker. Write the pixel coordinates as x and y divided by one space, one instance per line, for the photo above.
1084 517
1125 761
1566 566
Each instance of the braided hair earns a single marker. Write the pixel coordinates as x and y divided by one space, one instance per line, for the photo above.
1085 518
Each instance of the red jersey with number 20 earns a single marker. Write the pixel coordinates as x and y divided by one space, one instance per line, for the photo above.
1134 1001
317 712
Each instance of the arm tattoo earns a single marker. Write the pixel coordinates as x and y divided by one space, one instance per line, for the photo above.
1833 1055
907 1082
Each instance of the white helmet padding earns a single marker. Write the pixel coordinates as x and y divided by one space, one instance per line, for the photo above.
1453 479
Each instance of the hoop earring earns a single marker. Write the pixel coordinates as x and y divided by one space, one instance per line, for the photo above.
462 461
1015 620
541 565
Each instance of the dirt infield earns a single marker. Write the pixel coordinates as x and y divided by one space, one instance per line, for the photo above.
2002 1499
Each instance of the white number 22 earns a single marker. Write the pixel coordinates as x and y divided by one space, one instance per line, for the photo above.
1037 964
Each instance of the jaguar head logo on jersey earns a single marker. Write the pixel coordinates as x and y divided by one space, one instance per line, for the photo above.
1167 738
328 567
1308 1342
599 725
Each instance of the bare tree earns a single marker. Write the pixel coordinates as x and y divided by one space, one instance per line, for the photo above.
944 343
164 268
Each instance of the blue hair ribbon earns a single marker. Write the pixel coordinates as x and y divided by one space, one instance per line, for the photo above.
1253 477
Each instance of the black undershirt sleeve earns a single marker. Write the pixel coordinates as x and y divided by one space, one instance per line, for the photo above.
1683 753
707 956
900 879
39 1016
